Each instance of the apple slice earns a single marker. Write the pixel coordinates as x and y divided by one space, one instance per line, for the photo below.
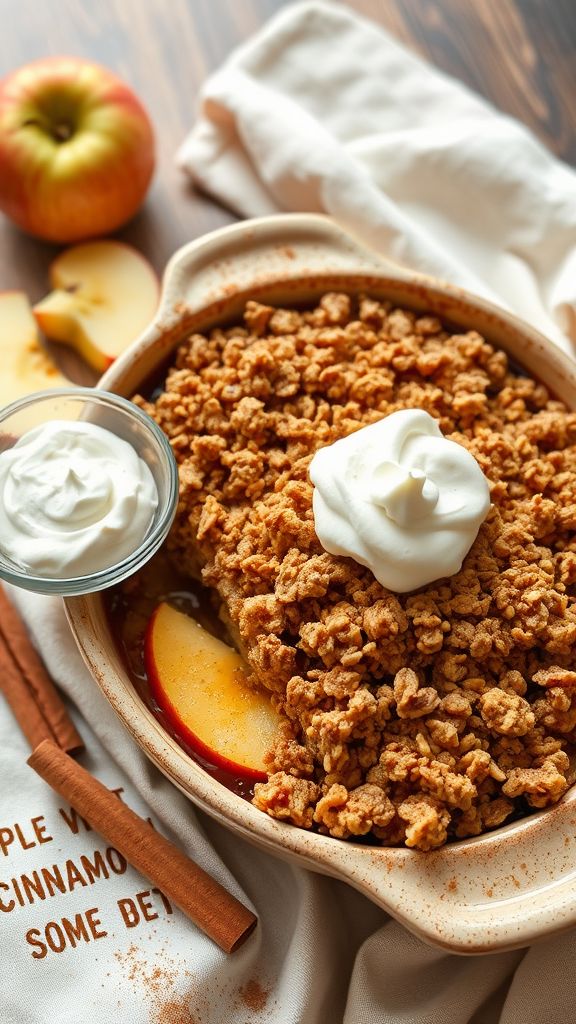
26 367
199 683
105 294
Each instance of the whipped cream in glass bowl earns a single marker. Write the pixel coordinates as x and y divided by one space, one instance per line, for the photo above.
88 490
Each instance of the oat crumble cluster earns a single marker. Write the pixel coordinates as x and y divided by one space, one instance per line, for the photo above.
416 718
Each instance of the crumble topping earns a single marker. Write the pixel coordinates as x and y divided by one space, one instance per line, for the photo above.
415 718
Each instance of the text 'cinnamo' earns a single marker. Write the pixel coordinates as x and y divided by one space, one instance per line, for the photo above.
219 914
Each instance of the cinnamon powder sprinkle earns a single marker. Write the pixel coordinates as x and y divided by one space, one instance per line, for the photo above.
158 984
173 1011
253 995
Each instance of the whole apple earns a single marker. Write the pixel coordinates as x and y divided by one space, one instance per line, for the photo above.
76 149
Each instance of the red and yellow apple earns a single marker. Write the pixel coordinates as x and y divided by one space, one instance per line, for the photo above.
105 294
26 367
76 149
200 684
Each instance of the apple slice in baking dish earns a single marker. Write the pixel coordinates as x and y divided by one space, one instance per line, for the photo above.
105 294
200 684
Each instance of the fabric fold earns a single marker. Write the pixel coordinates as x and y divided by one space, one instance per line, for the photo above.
326 113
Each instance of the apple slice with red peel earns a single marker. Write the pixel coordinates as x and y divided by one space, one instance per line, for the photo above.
105 294
200 684
26 366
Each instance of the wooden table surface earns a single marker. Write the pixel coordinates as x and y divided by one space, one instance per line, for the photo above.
517 53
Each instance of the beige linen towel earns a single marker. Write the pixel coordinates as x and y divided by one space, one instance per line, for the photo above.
325 112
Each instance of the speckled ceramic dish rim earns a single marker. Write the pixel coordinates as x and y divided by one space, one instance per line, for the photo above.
498 891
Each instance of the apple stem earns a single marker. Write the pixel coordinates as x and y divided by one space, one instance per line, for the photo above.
62 132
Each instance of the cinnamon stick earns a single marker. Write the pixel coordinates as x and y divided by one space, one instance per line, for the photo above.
28 688
219 914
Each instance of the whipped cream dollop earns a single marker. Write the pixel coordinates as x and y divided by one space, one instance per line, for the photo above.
74 499
400 498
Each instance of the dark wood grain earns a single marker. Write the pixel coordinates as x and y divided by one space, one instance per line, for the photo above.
519 54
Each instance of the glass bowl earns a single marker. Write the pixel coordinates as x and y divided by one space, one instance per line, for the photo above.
124 419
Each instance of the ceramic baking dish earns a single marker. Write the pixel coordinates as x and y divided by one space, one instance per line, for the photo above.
498 891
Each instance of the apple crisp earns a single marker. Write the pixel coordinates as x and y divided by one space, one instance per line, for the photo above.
410 719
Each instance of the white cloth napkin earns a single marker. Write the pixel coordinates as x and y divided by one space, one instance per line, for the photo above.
321 111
